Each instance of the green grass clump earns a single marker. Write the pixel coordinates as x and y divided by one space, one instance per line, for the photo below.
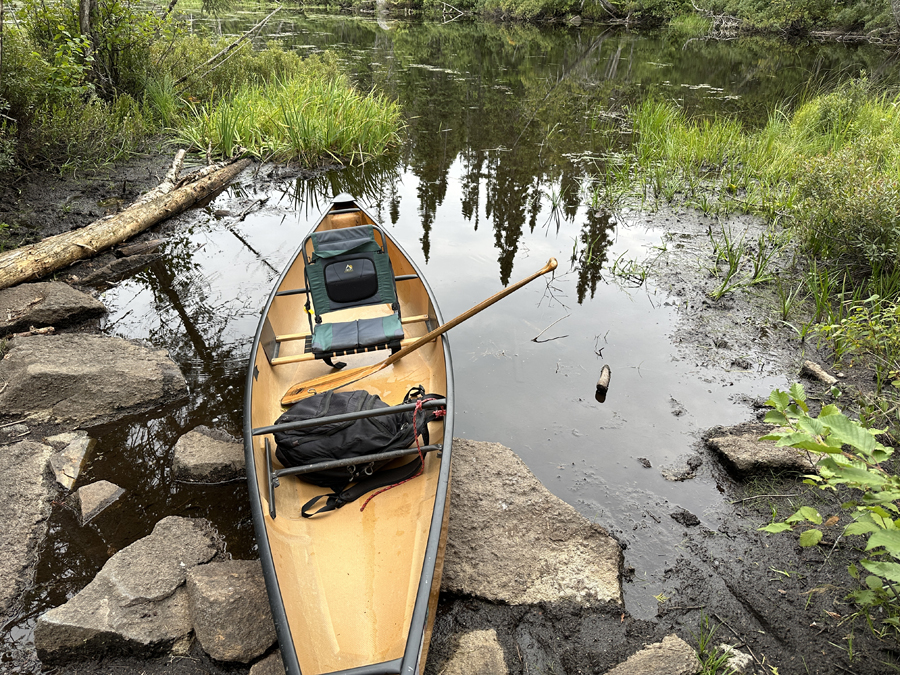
832 169
305 119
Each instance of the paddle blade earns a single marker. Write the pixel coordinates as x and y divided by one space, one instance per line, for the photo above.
317 385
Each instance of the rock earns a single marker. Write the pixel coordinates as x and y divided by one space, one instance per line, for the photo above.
684 468
230 610
685 518
672 656
510 540
479 653
27 491
59 441
746 454
208 456
47 303
271 665
87 379
738 661
814 370
136 604
66 464
94 498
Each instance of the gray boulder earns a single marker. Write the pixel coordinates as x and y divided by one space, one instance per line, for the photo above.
208 456
510 540
746 454
137 603
230 610
94 498
478 653
672 656
86 379
27 491
47 303
271 665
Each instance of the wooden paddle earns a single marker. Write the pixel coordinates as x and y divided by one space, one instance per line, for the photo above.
341 379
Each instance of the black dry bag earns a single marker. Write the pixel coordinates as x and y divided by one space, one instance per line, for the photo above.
350 439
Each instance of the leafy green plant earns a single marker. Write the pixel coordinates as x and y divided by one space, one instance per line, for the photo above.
849 456
712 660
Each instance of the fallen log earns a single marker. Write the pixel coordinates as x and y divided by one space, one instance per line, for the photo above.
54 253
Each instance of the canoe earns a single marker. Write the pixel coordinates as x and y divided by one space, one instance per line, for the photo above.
352 591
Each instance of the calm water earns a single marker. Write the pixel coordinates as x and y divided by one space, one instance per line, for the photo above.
507 129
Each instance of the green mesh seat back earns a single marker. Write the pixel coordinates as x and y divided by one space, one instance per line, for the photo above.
343 253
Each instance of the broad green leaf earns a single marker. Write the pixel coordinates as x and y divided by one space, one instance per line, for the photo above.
874 583
887 570
775 417
798 393
860 477
847 431
860 528
889 539
812 426
853 571
775 528
779 400
796 438
810 537
806 513
828 410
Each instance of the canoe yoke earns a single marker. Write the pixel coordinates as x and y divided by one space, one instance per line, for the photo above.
274 475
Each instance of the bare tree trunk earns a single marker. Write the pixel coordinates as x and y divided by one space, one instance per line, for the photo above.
55 253
895 5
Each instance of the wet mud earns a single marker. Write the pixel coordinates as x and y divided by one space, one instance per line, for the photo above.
783 604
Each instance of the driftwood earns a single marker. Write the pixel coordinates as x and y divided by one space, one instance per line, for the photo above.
603 384
55 253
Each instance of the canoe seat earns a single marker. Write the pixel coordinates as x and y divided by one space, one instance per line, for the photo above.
348 268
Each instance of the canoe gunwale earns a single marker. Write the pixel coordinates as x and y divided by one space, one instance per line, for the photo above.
419 626
347 417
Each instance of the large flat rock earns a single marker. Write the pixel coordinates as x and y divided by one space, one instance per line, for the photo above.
86 379
510 540
137 604
27 489
46 303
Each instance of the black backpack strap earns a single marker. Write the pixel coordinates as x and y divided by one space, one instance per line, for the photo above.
338 498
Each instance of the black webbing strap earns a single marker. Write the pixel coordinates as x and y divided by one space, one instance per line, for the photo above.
380 479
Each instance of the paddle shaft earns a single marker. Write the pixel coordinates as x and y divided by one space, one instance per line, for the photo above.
468 314
342 379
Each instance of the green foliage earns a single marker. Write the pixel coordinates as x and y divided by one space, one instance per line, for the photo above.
849 455
870 16
871 329
303 118
848 205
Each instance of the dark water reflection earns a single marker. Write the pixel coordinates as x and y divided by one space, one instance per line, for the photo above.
510 132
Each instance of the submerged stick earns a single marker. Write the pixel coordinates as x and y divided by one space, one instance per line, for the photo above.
603 384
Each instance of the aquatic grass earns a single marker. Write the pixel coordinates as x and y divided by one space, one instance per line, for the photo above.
296 119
